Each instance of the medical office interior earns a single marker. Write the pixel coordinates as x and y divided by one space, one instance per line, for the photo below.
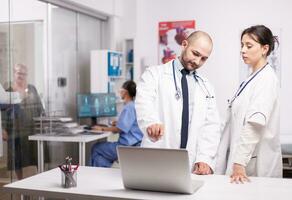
65 46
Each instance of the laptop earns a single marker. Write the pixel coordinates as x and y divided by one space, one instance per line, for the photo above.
155 169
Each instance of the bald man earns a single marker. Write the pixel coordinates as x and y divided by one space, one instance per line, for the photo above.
176 107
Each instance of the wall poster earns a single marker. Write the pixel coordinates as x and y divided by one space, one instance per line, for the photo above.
171 35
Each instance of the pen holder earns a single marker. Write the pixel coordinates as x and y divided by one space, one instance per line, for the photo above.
69 179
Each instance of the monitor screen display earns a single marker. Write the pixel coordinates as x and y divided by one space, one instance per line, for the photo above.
97 105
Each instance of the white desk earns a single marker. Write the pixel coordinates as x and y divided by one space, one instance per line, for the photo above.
81 139
106 183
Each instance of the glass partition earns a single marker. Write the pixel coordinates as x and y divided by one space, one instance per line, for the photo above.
5 176
89 38
44 63
22 87
62 75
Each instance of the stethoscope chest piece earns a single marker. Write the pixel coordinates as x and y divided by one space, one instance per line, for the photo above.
178 94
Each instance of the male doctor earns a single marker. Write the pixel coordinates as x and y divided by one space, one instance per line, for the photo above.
176 107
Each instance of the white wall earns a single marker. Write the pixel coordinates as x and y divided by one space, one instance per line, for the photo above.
103 6
122 19
128 18
22 10
223 20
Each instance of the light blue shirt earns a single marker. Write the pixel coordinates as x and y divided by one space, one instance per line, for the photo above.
130 132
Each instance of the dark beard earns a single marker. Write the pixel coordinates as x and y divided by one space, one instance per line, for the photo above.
182 61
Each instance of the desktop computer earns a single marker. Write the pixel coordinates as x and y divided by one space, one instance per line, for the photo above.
96 105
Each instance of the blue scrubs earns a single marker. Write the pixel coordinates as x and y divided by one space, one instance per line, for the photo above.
103 154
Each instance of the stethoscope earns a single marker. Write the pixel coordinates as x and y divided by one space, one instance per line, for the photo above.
243 85
178 93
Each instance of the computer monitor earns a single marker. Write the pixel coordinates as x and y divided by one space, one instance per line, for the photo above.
97 105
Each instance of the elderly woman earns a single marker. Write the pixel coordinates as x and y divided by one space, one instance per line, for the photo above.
21 152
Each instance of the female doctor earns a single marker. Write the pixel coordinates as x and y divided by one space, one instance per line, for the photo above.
250 145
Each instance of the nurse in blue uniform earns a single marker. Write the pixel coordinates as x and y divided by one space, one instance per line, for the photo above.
103 154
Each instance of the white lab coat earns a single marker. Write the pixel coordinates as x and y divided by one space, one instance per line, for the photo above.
258 104
156 103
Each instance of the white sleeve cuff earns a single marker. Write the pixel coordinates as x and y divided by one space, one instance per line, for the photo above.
246 144
242 160
206 159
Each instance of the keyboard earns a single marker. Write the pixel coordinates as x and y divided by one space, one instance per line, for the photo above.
103 125
91 132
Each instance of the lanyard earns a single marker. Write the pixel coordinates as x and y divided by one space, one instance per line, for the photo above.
243 85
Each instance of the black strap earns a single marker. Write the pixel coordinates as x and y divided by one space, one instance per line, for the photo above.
250 80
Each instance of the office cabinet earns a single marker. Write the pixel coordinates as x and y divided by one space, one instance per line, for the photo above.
105 70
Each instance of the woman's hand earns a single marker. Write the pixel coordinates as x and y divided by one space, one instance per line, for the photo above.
97 128
114 123
239 174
